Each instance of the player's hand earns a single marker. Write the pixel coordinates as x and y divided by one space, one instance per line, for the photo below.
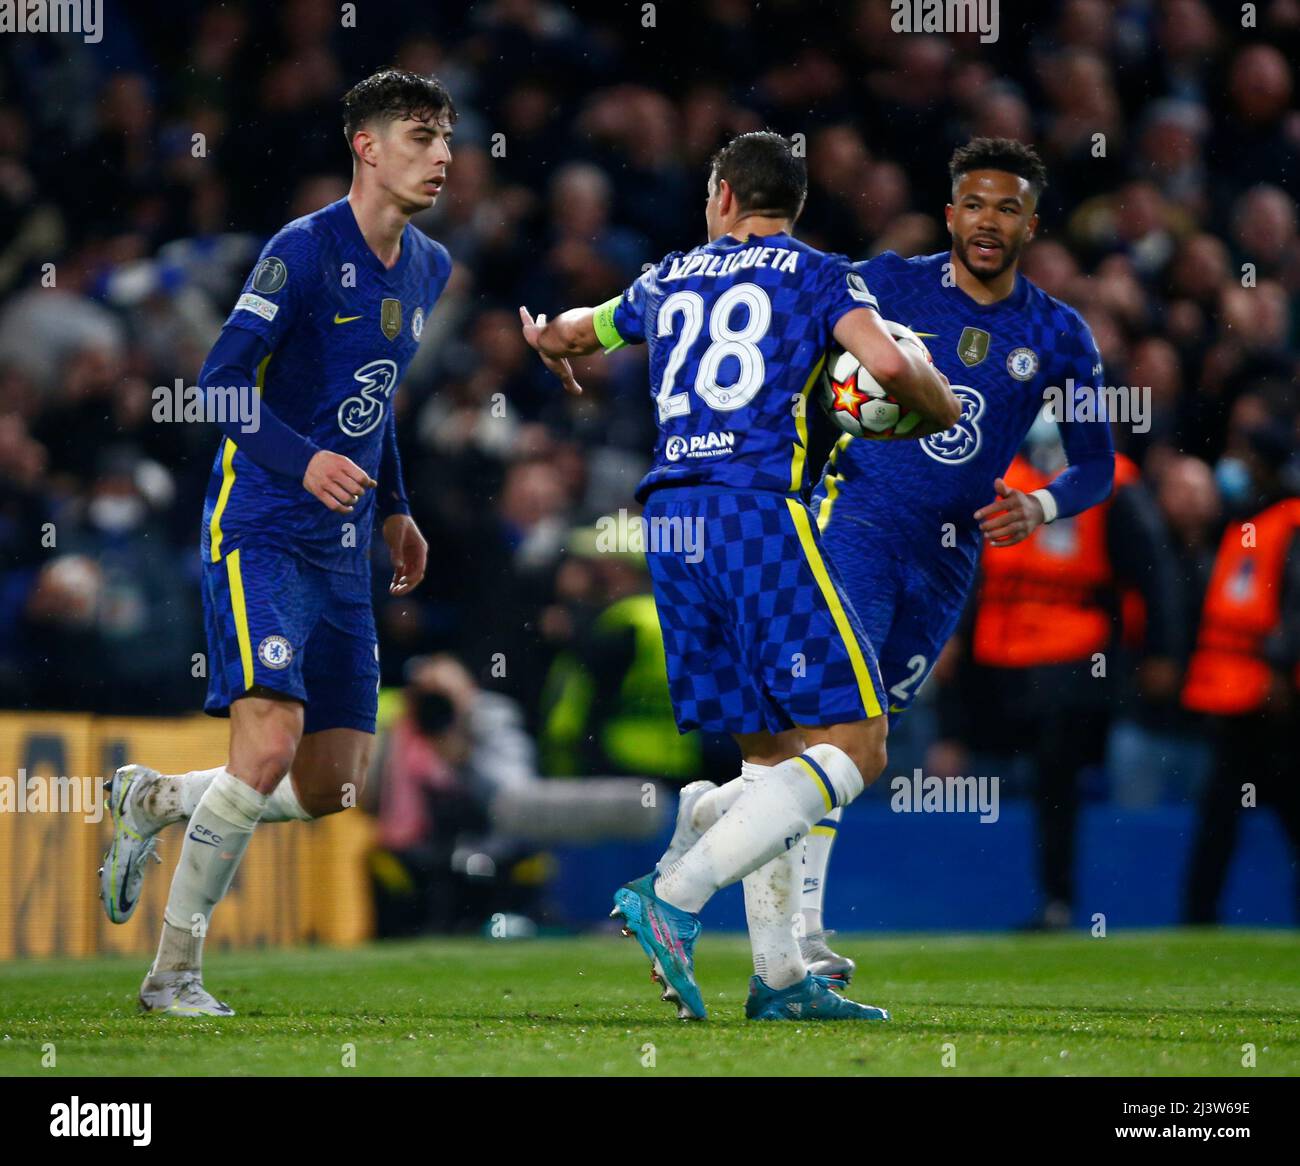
928 427
559 365
336 481
1012 518
408 550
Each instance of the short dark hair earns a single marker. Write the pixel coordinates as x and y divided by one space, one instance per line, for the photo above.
764 173
999 154
395 95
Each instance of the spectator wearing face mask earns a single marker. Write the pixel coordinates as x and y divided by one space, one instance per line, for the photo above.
113 607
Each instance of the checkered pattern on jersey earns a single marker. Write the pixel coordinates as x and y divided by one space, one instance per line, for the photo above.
750 639
787 317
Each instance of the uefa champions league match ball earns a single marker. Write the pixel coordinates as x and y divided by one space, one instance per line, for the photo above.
857 403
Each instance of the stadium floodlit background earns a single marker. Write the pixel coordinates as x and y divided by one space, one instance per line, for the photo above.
139 178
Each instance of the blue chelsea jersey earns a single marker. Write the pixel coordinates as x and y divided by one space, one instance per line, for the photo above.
342 330
737 332
1001 360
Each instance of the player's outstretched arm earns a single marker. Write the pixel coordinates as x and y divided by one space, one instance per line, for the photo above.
902 370
567 335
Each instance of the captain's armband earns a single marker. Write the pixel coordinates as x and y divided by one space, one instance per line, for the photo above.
603 322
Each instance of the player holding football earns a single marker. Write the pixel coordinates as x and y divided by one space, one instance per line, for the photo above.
759 640
904 522
327 323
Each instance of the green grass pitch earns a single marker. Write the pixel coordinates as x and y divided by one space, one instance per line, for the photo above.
1145 1004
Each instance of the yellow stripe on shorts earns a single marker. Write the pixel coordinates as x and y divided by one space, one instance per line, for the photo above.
241 616
866 689
833 480
800 455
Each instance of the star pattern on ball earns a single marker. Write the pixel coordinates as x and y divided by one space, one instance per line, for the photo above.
848 398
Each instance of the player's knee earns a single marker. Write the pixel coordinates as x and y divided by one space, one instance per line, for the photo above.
265 733
875 755
264 763
860 745
867 749
270 764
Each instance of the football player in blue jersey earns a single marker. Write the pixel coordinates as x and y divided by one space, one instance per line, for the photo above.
904 522
760 641
318 341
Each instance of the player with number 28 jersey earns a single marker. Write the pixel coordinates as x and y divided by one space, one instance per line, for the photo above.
738 330
758 638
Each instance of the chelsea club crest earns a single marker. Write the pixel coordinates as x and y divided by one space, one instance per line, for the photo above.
275 652
1022 363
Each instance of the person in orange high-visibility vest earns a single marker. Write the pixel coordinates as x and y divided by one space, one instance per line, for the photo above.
1047 600
1046 676
1244 675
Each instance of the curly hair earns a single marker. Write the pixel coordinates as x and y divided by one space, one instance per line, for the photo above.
999 154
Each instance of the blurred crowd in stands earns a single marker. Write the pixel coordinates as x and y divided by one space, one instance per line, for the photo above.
140 176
